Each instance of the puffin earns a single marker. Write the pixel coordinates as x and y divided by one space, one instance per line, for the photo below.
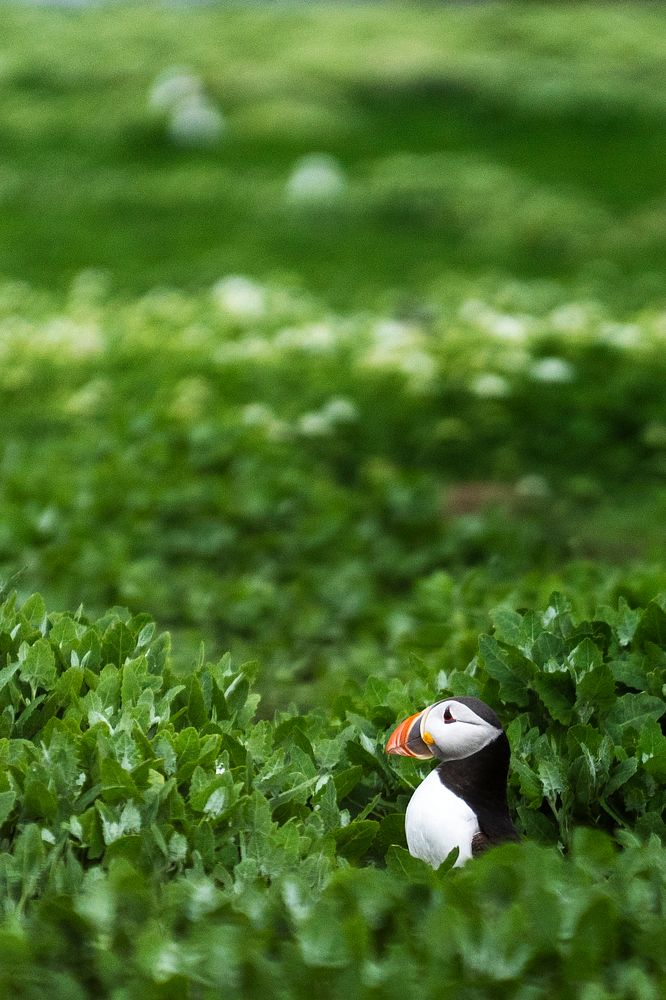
462 802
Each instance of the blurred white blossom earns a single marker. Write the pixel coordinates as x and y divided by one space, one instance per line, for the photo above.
490 386
262 418
504 326
172 86
552 370
623 335
402 347
196 122
314 424
256 415
569 318
193 118
340 410
240 297
315 178
315 337
393 333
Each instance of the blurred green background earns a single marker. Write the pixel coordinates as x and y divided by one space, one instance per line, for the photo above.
327 327
167 144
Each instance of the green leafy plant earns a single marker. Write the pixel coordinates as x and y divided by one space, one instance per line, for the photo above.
158 834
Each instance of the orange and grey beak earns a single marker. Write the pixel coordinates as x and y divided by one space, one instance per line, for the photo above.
407 740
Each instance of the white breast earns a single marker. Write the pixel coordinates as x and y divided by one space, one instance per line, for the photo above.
437 821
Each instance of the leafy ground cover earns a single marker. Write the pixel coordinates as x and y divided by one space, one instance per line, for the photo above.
327 492
332 337
157 836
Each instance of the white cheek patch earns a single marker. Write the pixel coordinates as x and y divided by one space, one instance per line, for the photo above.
459 739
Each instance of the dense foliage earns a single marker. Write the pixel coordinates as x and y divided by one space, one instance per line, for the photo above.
309 489
332 340
155 834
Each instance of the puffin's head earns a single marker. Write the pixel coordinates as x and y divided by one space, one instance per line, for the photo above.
449 730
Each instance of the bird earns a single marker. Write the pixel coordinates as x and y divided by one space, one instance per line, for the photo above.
462 802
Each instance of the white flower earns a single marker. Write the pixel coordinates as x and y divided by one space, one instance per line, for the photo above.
340 410
240 297
570 318
490 386
420 368
552 370
173 86
506 327
314 425
256 415
63 335
314 338
392 333
47 522
203 899
196 122
316 178
402 347
166 962
621 334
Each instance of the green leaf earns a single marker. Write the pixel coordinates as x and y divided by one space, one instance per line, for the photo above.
392 831
555 690
401 864
584 658
38 666
630 671
117 644
131 686
633 711
595 692
531 789
627 622
625 769
547 647
7 800
508 625
552 777
117 783
196 707
354 840
347 779
34 610
652 626
39 802
652 749
512 680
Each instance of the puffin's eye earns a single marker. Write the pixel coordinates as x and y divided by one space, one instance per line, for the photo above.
447 715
